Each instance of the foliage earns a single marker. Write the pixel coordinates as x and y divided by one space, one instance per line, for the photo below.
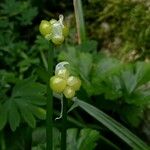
124 84
115 127
15 18
113 85
23 104
121 27
76 139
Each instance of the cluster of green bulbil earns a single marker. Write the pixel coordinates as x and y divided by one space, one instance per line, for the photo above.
54 30
63 82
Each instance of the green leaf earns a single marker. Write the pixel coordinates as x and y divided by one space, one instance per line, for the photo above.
72 139
27 115
132 114
87 46
71 56
43 74
39 135
27 96
41 44
27 16
76 139
114 126
106 66
140 97
104 76
3 116
85 65
38 112
129 80
112 88
24 64
56 139
28 87
13 116
11 7
39 100
21 10
39 138
81 63
87 139
80 21
8 77
142 72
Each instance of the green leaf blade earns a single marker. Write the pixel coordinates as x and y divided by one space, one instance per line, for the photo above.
3 116
13 116
88 139
114 126
28 116
38 112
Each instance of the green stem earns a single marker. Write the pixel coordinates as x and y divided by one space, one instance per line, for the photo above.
49 114
44 59
2 141
28 138
64 125
79 21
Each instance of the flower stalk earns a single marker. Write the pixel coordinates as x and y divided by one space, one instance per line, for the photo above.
64 125
49 114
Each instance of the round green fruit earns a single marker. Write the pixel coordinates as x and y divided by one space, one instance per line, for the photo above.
65 31
45 27
69 92
57 84
57 39
74 82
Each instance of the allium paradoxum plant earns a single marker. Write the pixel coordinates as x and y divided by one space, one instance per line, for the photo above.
63 82
54 30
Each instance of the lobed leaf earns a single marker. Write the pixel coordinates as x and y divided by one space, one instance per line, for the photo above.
3 116
13 116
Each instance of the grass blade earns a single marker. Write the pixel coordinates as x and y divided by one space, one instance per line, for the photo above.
79 21
118 129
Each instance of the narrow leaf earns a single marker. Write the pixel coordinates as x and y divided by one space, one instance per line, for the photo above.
38 112
122 132
79 21
28 116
